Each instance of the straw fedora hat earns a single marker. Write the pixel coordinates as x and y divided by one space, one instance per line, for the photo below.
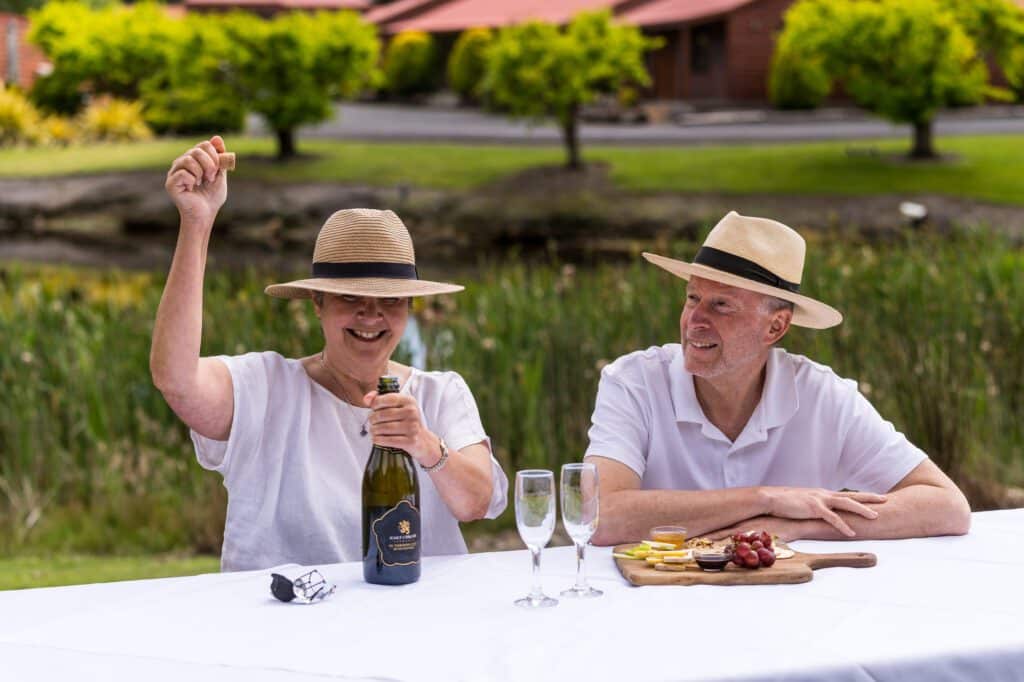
760 255
363 252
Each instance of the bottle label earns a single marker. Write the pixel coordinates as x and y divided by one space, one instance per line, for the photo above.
397 535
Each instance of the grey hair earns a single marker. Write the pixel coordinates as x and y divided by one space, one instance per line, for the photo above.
771 304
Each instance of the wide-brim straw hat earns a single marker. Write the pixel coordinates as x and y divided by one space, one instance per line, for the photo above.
759 255
363 252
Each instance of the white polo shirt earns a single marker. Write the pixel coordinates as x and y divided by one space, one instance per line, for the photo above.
810 429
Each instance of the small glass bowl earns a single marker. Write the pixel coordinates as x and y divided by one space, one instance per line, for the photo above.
674 535
712 559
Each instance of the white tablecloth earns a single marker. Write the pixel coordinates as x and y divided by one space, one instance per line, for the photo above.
933 609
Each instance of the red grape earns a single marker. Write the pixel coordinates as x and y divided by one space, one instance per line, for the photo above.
766 557
766 539
756 545
751 560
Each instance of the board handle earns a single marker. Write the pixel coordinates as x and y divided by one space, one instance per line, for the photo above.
841 560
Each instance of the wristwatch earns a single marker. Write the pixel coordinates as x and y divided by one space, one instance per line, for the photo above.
439 464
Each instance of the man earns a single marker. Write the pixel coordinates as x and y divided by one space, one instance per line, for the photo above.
726 432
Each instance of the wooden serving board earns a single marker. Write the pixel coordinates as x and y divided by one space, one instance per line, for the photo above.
797 569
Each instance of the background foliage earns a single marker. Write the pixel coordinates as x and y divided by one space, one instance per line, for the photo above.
93 460
536 70
902 59
467 63
410 64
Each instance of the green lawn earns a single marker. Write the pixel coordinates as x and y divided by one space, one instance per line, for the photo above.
983 167
21 572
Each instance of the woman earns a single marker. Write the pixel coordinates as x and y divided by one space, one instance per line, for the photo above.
291 436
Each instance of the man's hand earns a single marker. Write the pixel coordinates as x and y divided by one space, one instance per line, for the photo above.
818 503
196 184
396 422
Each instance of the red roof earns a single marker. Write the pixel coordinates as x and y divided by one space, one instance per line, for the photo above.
399 9
458 15
663 12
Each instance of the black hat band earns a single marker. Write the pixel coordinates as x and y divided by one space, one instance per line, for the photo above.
741 267
365 269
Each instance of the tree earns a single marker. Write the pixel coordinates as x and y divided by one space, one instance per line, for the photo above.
194 93
902 59
292 67
799 77
997 28
537 70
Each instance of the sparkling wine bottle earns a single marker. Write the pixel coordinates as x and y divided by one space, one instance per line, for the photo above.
391 512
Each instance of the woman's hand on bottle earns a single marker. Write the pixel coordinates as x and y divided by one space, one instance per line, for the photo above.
196 184
396 422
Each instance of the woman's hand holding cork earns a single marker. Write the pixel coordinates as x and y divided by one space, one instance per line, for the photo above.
197 180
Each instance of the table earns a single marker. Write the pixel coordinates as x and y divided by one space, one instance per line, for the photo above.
936 608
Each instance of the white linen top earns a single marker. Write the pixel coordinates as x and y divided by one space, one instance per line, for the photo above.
293 464
810 429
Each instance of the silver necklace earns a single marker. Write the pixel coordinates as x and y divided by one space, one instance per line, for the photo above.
363 431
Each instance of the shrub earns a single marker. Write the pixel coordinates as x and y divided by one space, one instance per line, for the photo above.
59 130
467 63
19 120
409 64
103 51
797 81
107 119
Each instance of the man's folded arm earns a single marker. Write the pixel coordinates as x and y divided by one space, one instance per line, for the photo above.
924 503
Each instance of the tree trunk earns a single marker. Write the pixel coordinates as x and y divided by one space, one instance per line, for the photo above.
571 138
285 143
923 141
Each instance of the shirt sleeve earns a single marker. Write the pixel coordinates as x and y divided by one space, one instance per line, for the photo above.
619 427
875 456
460 426
249 387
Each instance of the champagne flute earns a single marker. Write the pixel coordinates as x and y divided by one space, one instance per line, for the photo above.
535 519
579 515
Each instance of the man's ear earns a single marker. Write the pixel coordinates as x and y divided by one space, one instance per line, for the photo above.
778 326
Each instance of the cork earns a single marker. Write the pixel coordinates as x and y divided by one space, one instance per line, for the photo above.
226 161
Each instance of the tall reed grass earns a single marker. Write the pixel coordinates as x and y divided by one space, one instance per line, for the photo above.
91 459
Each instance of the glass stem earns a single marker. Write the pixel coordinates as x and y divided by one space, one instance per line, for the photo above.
537 592
581 568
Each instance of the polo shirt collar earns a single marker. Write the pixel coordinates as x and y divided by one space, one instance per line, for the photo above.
779 399
684 396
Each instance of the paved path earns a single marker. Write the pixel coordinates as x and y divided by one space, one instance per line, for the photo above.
390 122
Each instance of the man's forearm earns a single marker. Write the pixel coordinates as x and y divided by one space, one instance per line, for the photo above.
627 515
911 512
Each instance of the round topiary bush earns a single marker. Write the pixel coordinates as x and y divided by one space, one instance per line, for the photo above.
467 63
409 64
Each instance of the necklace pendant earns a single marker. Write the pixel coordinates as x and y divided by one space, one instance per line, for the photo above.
363 431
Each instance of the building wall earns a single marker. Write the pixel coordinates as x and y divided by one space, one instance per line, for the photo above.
750 40
29 57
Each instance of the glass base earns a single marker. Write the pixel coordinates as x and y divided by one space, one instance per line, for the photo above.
531 602
585 592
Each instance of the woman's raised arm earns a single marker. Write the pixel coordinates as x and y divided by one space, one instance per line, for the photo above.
199 390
